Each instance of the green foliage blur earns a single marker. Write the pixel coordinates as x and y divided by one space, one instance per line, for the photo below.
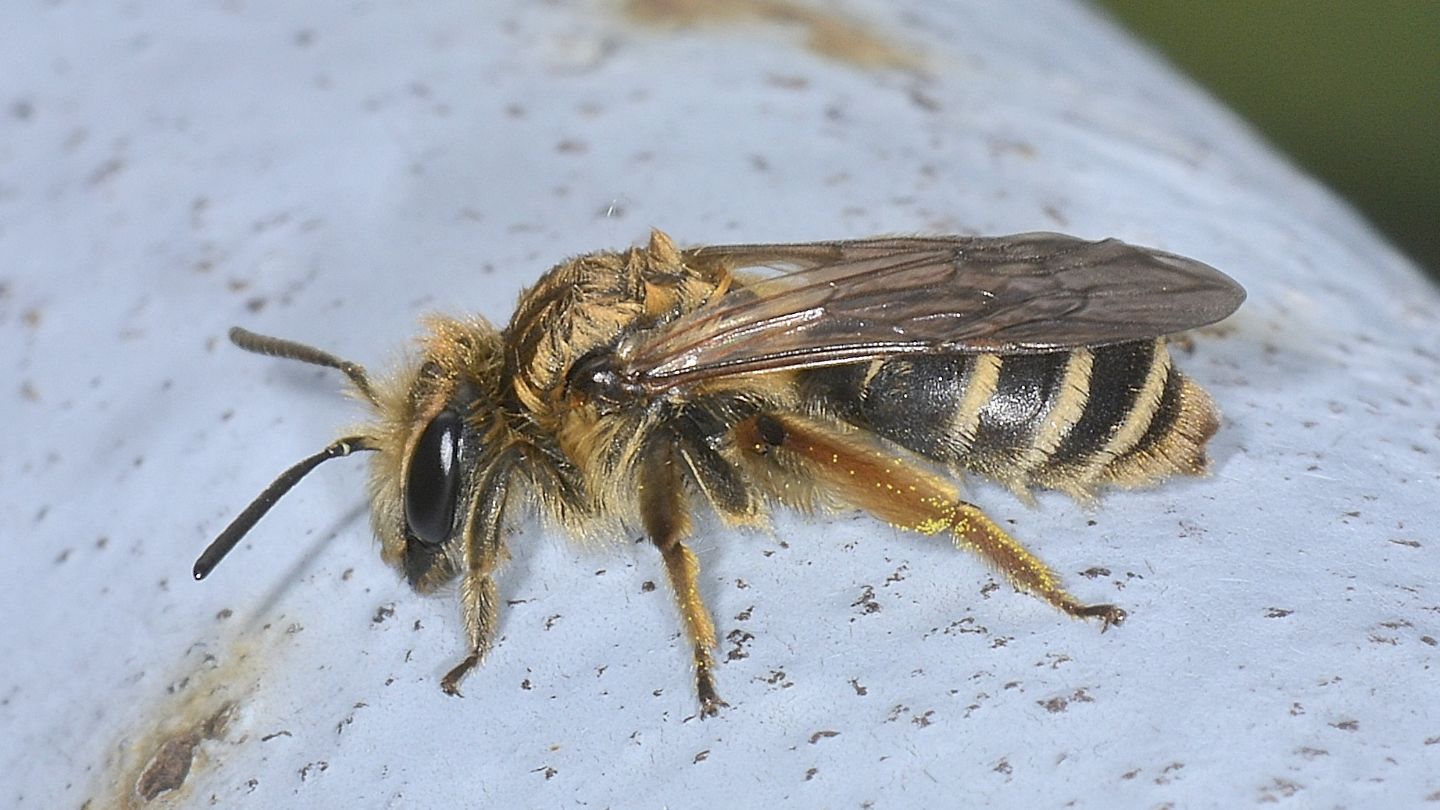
1351 90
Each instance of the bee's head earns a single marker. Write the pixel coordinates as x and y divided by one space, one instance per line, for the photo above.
438 429
436 424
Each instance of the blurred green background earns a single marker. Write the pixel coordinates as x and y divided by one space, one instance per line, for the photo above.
1350 89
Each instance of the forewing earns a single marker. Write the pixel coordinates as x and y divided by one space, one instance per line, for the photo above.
842 302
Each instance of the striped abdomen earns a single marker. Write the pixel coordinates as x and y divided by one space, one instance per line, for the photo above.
1068 420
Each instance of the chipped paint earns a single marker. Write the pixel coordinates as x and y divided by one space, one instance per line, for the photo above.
184 735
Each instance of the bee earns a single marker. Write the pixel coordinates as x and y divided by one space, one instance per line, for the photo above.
631 387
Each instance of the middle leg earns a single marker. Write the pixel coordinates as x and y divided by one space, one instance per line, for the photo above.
667 521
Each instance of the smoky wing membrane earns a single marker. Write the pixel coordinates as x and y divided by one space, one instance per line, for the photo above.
840 302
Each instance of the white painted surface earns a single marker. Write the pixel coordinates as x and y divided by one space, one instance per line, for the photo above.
331 171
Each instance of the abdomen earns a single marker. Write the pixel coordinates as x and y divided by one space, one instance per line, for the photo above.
1069 420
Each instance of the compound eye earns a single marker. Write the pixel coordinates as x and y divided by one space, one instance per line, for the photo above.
433 481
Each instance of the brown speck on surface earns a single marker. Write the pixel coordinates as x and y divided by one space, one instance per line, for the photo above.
1095 572
29 392
924 100
1003 766
1405 542
223 614
273 735
963 625
31 318
547 770
810 773
828 33
1057 660
76 139
272 221
317 767
257 303
1347 725
739 638
823 735
744 615
1001 147
1169 772
866 602
383 612
923 720
1131 774
859 689
551 620
350 718
105 171
1277 613
787 82
777 677
1060 703
701 757
1279 789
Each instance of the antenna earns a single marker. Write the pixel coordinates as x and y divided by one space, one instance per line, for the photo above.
290 350
228 539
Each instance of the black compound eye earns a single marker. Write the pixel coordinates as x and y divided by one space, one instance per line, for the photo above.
433 481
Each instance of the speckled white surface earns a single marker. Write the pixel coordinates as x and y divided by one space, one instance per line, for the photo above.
331 171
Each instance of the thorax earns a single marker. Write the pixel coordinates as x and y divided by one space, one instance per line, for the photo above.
593 305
